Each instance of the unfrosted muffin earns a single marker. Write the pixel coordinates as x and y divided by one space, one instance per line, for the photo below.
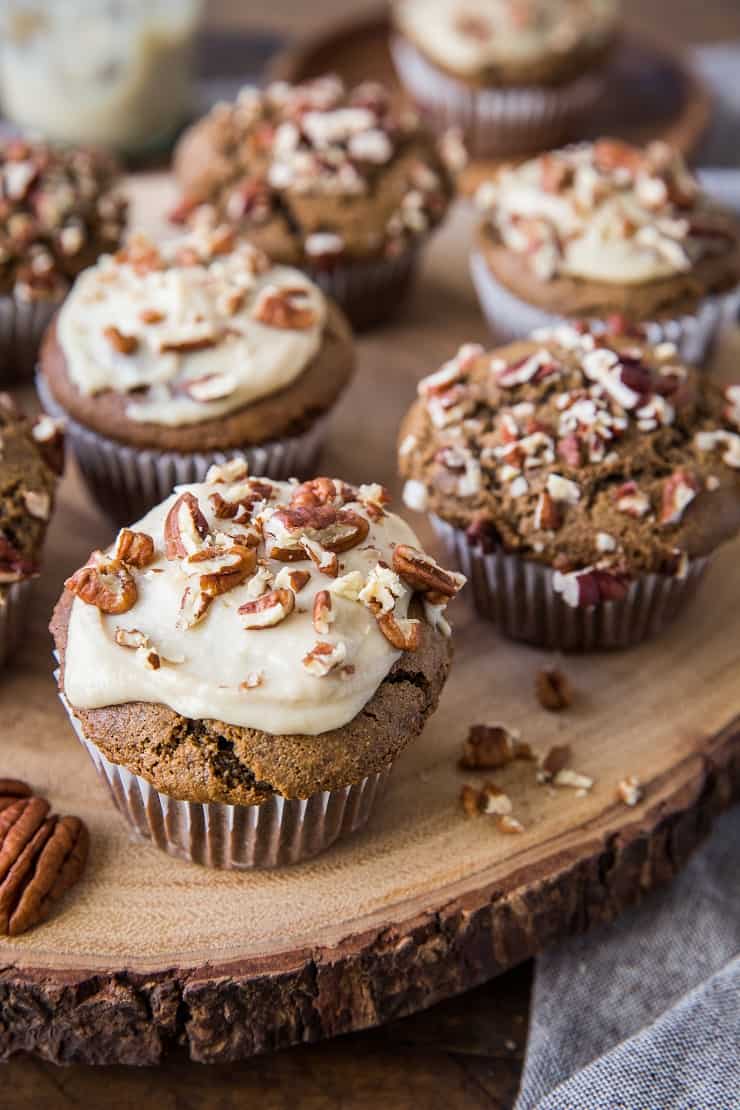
166 359
583 481
31 456
59 210
336 181
606 228
514 76
250 658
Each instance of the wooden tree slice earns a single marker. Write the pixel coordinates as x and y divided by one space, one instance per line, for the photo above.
652 92
148 952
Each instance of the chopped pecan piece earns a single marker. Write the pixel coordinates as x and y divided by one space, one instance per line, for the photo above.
553 688
419 571
323 491
547 515
185 527
470 800
221 569
556 759
489 747
322 612
337 530
509 825
268 610
284 308
105 583
630 790
193 608
678 492
124 344
49 437
323 658
403 635
136 549
326 561
494 800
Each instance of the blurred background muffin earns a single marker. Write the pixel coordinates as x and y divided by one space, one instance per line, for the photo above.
513 75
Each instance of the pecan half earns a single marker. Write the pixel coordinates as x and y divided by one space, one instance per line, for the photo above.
337 530
11 790
553 689
185 527
322 612
403 635
419 571
136 549
285 308
105 583
268 610
40 858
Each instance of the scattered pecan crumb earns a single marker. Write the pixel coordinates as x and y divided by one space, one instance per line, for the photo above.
469 797
553 762
41 857
553 689
494 800
124 344
566 777
630 790
489 747
509 825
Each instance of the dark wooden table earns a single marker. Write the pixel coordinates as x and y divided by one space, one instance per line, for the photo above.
466 1052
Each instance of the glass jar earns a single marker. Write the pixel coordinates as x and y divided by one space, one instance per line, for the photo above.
114 73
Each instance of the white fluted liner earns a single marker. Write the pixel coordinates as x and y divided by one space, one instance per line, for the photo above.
518 595
277 832
497 121
22 325
510 318
368 290
13 604
128 481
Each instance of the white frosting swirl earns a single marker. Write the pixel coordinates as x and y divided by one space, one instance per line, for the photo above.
468 36
218 668
179 324
602 212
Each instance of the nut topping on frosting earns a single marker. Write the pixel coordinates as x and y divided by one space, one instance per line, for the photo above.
190 330
621 462
605 212
198 595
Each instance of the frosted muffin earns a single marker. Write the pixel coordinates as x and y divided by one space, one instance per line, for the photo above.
582 480
31 457
336 181
601 229
249 659
514 76
167 359
59 210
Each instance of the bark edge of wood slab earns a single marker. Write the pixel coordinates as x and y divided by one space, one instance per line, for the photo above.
229 1012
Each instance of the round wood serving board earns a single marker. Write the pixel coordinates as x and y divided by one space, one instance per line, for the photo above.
148 952
652 92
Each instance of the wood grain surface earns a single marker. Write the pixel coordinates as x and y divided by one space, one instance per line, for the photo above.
465 1052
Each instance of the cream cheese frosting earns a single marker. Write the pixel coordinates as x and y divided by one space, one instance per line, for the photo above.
241 600
469 36
192 329
602 211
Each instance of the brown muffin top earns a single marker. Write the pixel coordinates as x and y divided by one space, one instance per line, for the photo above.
578 451
59 209
30 458
280 609
607 227
316 173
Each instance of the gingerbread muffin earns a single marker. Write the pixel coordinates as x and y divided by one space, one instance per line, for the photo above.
336 181
59 210
167 359
582 480
31 457
249 659
514 77
601 229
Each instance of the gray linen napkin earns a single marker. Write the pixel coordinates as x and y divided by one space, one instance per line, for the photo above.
645 1014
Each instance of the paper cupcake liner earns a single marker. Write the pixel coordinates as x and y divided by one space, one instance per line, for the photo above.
369 291
510 318
128 481
279 831
13 605
497 121
519 596
22 325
